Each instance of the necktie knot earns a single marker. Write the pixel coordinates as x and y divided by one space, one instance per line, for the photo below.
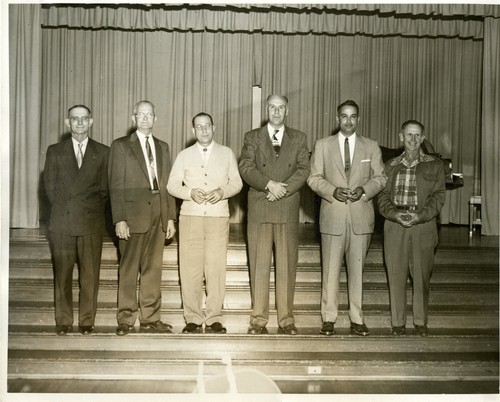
276 143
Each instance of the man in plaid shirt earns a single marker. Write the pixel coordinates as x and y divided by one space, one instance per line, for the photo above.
410 202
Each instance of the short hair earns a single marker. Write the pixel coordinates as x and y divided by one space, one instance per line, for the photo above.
415 122
141 102
348 103
203 114
281 96
79 106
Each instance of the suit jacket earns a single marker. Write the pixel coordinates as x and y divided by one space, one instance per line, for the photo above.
431 188
189 171
259 164
77 196
129 185
328 173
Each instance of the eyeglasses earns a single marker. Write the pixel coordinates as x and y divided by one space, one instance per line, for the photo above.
145 115
79 120
204 127
281 108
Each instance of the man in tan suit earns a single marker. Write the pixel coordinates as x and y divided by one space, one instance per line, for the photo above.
275 164
346 172
204 176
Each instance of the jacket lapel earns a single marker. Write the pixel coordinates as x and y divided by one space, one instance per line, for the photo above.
135 144
159 158
266 144
336 156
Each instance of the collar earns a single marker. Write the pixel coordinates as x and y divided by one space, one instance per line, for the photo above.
421 158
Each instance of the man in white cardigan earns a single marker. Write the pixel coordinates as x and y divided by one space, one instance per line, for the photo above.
204 176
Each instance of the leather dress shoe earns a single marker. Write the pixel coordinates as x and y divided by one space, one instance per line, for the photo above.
63 329
359 329
86 329
422 330
289 329
399 330
124 329
255 329
215 328
192 328
156 327
327 328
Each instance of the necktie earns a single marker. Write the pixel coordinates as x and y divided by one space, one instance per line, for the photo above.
79 156
276 144
151 164
347 158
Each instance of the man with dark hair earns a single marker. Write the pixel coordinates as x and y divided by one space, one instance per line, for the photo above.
144 214
77 188
413 197
346 172
275 164
204 176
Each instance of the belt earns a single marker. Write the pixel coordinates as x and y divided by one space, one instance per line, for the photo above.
155 191
406 207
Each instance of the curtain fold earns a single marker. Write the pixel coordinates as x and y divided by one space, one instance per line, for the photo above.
25 86
274 19
490 161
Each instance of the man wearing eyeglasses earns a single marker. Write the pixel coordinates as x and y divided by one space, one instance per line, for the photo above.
143 213
204 176
275 164
77 187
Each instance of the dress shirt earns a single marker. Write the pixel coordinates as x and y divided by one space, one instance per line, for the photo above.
84 146
279 134
142 139
352 144
205 154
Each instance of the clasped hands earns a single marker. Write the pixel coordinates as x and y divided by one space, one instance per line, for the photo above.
199 196
407 218
275 190
343 194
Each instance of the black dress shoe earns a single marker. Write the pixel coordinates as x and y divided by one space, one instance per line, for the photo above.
86 329
289 329
359 329
422 330
156 327
124 329
255 329
327 328
400 330
192 328
215 328
63 329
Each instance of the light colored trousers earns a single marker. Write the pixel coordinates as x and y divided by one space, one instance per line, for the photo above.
203 257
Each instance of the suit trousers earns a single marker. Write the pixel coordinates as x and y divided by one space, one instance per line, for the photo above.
333 249
141 254
203 257
86 251
409 250
261 238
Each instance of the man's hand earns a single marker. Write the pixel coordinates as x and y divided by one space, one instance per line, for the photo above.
198 195
214 196
170 229
277 189
342 194
356 194
122 230
407 218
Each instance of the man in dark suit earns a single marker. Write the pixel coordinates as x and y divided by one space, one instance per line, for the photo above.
346 172
275 164
144 213
77 188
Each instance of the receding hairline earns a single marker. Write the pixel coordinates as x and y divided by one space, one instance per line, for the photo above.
79 107
282 97
144 102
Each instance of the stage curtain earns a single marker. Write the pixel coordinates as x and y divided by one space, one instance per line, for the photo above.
434 80
490 156
25 85
181 73
277 19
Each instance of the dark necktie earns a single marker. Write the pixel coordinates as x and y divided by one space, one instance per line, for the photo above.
347 158
79 156
276 145
151 164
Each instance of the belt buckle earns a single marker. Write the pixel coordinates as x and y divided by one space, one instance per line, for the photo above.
155 191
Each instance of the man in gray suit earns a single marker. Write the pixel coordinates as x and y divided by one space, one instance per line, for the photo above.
144 214
275 164
346 172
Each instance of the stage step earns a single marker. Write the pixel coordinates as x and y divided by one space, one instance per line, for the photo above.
462 349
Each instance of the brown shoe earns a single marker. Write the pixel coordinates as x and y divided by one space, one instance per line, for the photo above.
157 327
422 330
290 329
124 329
327 328
215 328
359 329
255 329
192 328
398 331
63 329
